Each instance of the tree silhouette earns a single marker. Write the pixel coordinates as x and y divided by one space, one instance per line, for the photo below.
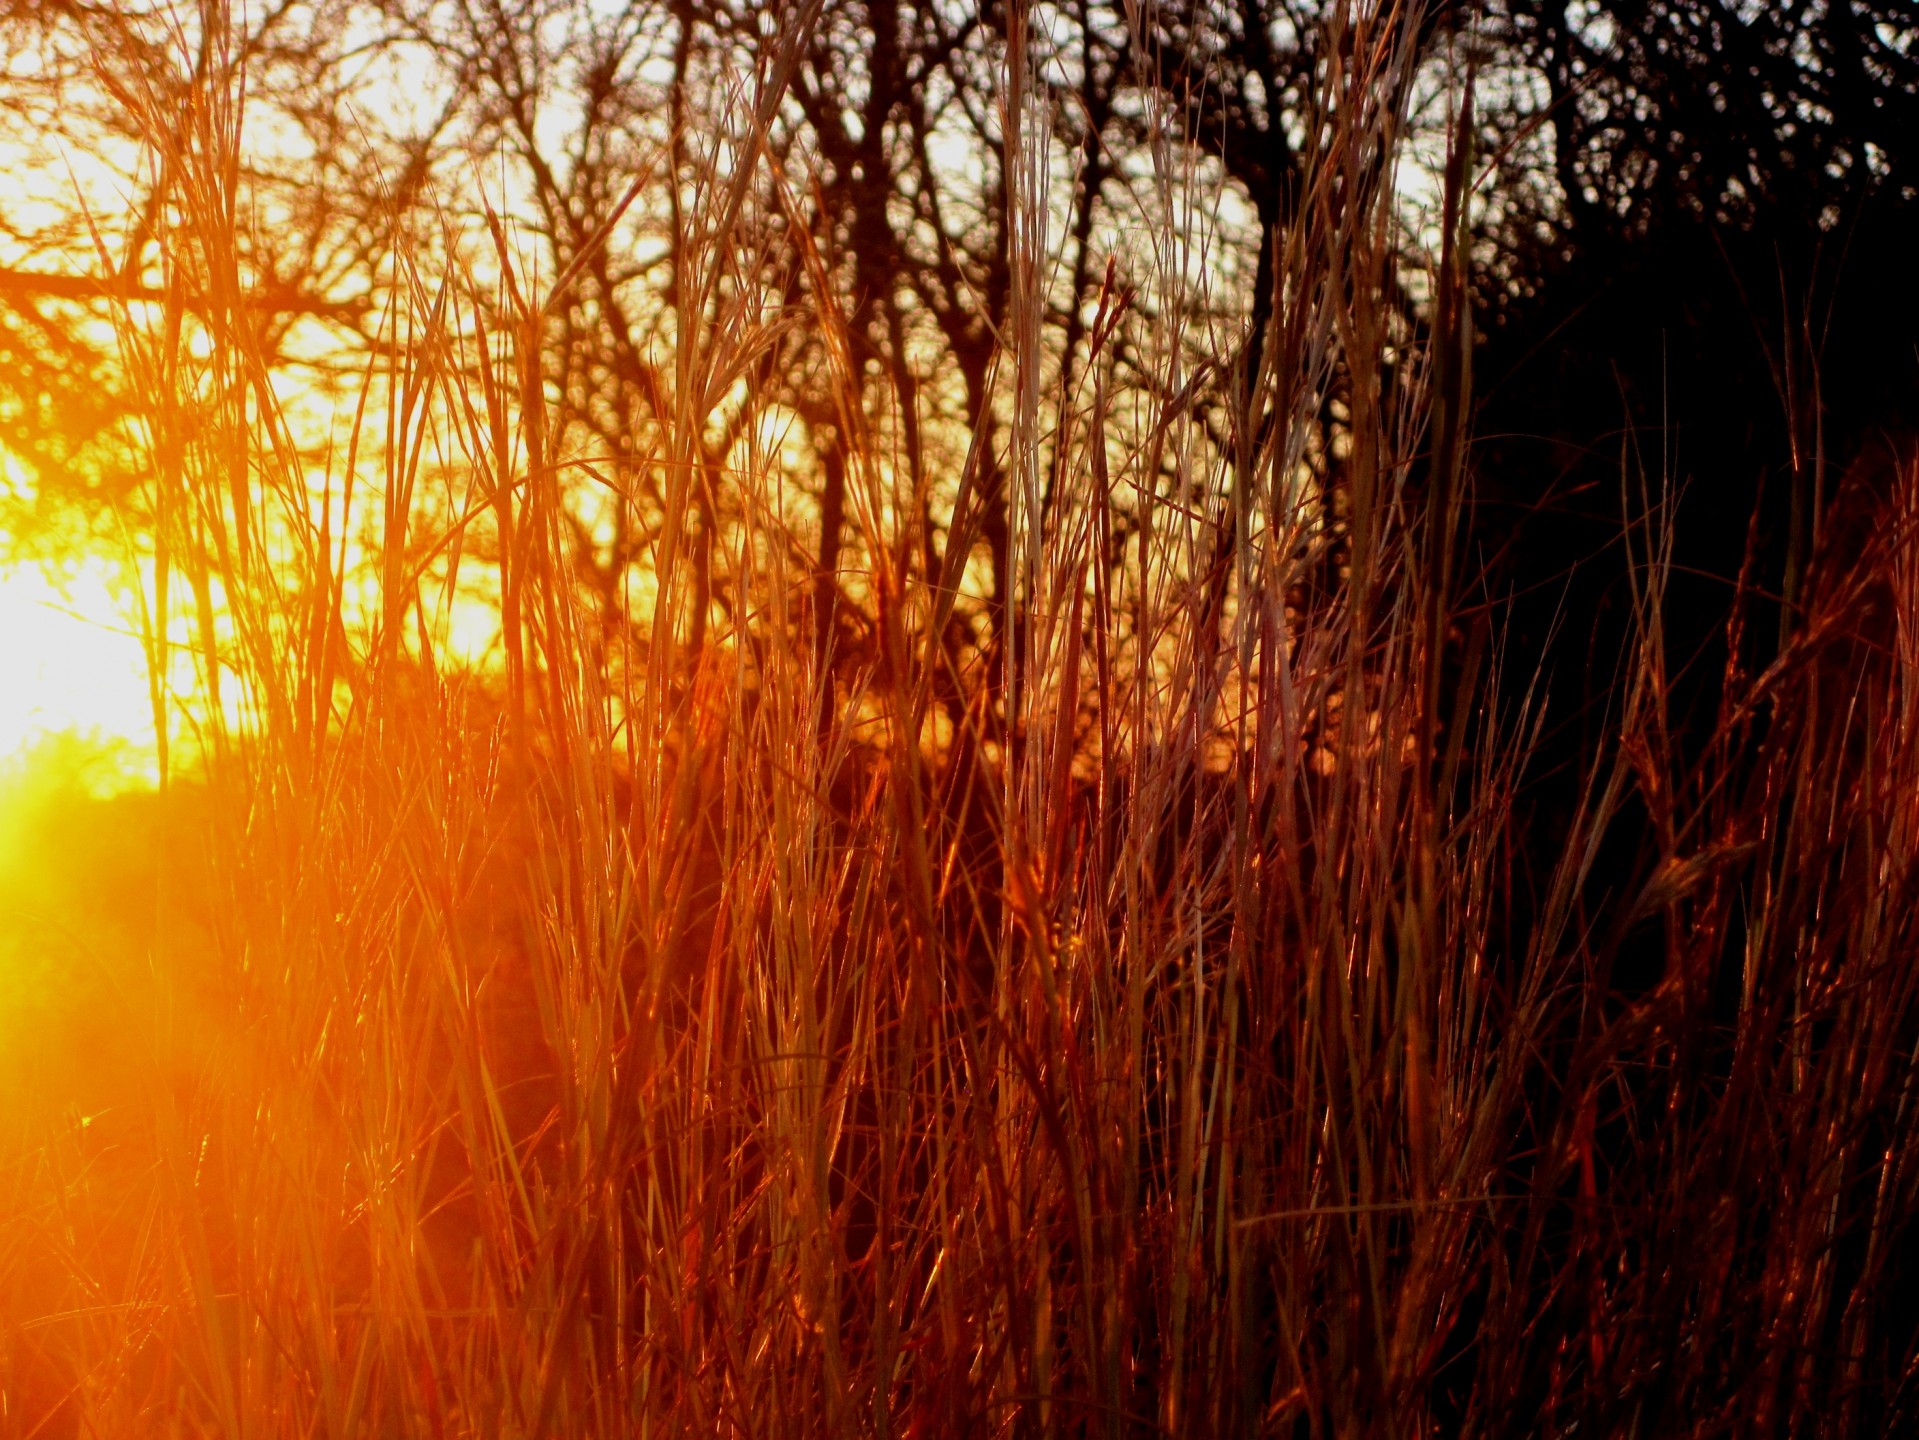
1712 286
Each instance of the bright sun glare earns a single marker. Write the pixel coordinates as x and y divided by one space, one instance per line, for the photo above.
70 664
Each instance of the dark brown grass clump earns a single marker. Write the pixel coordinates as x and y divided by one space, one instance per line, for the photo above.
799 1001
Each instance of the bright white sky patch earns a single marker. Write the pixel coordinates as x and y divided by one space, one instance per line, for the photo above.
69 663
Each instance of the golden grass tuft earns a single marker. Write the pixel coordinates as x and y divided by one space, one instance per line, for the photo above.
792 999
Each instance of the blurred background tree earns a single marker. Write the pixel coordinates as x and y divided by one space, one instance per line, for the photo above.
1705 281
1692 264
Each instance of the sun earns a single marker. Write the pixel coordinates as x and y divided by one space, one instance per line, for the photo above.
71 665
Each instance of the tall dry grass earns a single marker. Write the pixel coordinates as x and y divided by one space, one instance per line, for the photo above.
769 1008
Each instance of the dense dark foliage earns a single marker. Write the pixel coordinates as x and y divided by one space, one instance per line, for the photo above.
1718 294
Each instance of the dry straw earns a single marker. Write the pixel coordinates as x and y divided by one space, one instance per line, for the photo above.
751 1009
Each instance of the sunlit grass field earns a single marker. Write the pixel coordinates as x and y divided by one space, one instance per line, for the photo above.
1081 951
